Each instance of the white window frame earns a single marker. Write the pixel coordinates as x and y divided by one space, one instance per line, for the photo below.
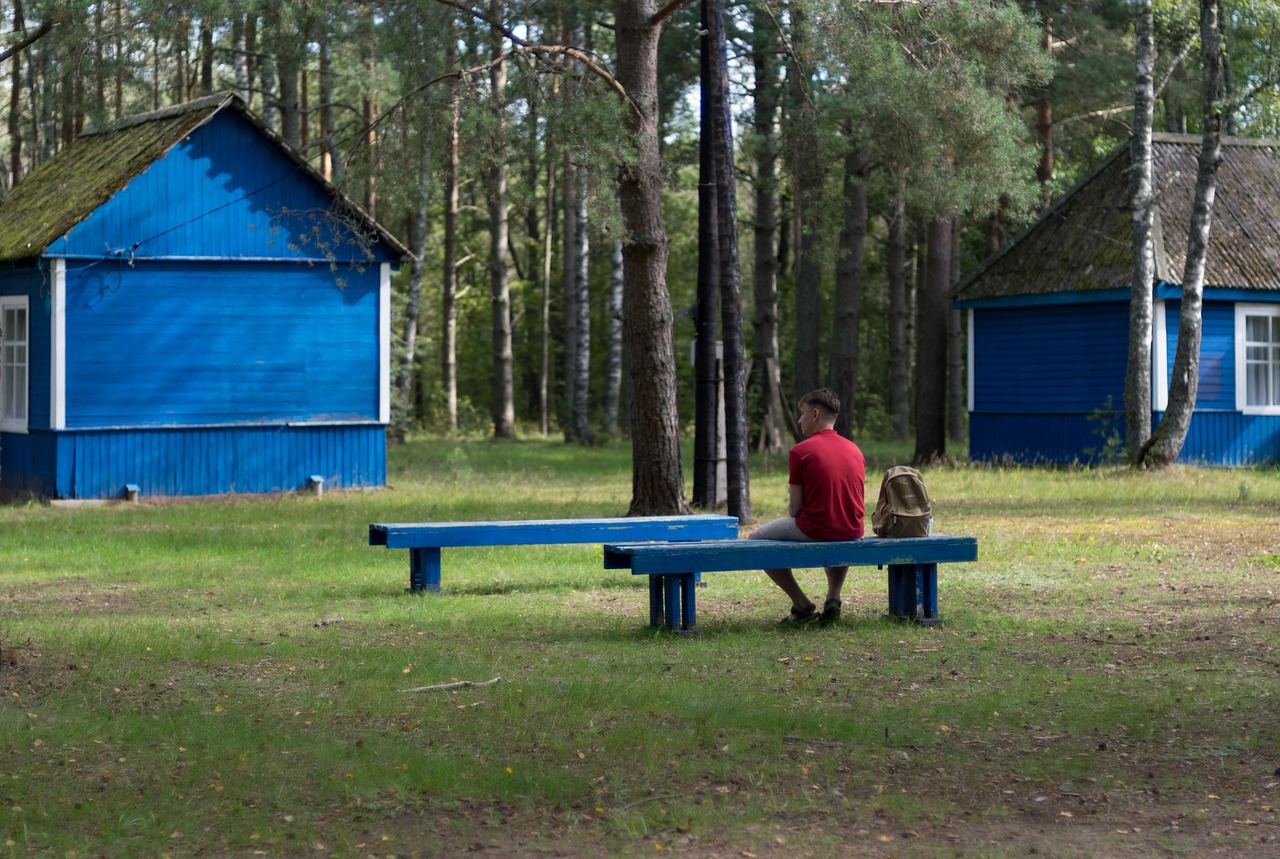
7 303
1244 310
1159 357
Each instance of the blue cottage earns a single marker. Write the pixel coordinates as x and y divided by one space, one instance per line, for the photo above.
1048 316
188 308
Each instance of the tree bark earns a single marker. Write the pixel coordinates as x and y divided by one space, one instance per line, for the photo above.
843 374
1137 384
570 278
956 390
931 346
766 377
737 482
15 102
449 275
613 367
331 158
503 401
899 348
581 260
1166 441
406 371
657 485
707 367
807 178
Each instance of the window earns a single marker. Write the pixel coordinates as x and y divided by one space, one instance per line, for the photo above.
13 364
1258 358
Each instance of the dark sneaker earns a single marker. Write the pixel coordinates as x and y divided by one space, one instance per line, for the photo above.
830 613
800 616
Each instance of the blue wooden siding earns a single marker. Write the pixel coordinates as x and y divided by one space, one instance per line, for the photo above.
211 461
1049 439
169 343
1217 387
32 280
1054 359
225 191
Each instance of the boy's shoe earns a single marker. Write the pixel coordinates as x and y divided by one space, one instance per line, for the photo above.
800 616
830 613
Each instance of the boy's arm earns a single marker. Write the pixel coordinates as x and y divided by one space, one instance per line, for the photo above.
795 503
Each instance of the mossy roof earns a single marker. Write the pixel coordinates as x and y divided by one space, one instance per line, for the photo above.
66 189
1082 242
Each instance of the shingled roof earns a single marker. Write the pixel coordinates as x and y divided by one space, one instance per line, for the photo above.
99 163
1082 242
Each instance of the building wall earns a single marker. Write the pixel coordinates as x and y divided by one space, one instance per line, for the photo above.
207 343
226 191
1034 403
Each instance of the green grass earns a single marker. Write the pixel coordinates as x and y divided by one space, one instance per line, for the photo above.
1104 684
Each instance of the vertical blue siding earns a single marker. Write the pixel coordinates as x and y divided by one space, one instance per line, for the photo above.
32 280
209 461
1217 387
1045 359
1039 439
225 191
195 343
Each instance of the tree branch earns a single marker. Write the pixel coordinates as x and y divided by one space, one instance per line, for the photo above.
35 35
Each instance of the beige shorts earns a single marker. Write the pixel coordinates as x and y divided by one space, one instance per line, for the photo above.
781 529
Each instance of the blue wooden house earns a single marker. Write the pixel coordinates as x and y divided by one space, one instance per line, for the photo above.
1048 316
188 308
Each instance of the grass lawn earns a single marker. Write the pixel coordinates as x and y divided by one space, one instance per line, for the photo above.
229 677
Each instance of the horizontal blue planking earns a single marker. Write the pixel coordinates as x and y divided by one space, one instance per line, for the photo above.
195 343
726 555
1224 438
227 191
1049 359
1217 383
534 532
215 461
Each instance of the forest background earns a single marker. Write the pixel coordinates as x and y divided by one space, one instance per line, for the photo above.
881 150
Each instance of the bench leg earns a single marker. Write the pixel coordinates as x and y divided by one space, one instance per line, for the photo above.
424 570
913 593
673 602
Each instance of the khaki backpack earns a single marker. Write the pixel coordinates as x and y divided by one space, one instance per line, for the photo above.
903 508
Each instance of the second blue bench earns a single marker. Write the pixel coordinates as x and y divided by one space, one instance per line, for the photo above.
424 540
672 569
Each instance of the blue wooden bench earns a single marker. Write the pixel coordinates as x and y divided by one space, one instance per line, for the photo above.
424 540
671 568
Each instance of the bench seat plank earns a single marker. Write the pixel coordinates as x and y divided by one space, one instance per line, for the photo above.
720 556
534 532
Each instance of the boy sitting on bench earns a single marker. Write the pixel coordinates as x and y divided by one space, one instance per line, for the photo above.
827 479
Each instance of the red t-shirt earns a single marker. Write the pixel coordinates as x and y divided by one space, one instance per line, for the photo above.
833 473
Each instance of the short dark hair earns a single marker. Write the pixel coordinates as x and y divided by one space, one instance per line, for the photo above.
823 399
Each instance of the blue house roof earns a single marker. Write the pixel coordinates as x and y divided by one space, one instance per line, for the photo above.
1081 246
207 179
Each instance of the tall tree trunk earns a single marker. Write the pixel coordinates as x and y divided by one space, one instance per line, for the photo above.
807 179
613 367
766 376
737 481
931 346
504 418
657 486
843 375
15 102
544 376
239 39
449 276
331 158
1166 441
1137 383
1044 128
707 365
899 347
406 371
206 56
581 259
569 275
956 390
